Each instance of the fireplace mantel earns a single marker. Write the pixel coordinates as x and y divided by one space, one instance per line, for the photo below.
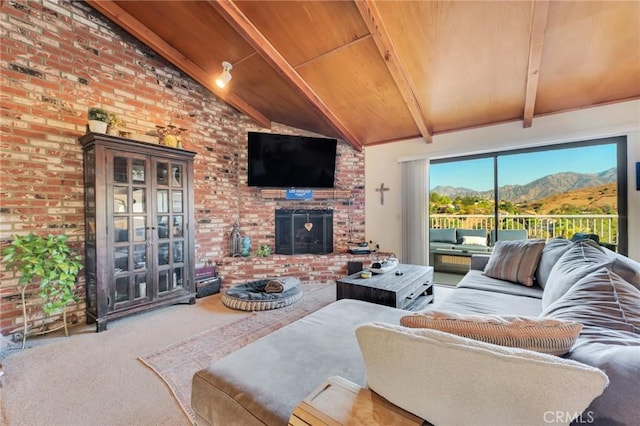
318 194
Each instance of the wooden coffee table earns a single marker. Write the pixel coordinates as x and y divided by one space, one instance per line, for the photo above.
411 291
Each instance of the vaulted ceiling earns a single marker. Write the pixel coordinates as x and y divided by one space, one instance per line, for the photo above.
371 72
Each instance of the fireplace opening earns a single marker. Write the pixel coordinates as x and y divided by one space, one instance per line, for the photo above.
302 231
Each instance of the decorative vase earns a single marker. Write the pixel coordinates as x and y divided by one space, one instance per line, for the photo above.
97 126
235 241
246 246
113 131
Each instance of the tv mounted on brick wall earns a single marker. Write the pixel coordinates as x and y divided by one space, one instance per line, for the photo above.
286 161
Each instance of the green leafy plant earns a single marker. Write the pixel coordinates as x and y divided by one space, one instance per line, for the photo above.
98 114
263 251
48 262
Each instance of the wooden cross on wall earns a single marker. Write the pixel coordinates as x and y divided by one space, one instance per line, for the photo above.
381 191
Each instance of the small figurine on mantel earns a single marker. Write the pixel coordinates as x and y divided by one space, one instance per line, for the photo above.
235 241
171 135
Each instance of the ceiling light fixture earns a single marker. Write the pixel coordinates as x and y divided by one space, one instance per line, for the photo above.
225 75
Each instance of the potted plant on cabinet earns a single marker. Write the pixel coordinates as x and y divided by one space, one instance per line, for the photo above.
98 119
48 262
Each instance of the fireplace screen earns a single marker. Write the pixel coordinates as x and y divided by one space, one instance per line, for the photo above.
304 231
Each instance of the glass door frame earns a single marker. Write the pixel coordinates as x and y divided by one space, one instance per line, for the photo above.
621 181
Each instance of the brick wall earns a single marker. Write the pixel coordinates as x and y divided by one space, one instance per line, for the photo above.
60 58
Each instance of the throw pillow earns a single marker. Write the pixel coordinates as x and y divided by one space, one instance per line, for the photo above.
478 241
461 233
429 373
553 250
579 260
515 261
547 335
600 299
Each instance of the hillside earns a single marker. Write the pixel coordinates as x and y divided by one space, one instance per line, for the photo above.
603 197
547 186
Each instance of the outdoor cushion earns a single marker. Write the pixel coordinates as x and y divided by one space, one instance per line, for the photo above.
451 380
508 235
446 235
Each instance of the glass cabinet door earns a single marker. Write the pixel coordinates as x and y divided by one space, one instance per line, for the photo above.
170 225
129 228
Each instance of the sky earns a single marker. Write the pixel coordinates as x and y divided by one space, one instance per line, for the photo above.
520 169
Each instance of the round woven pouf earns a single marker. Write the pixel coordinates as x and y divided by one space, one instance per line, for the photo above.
252 297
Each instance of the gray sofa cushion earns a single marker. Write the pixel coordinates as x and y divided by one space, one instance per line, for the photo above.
582 258
600 299
618 404
627 268
262 382
473 301
609 309
477 280
553 250
446 235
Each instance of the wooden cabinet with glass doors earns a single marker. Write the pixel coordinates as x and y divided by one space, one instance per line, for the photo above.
139 248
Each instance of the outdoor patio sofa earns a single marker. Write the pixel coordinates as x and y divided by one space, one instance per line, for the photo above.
578 281
459 242
471 240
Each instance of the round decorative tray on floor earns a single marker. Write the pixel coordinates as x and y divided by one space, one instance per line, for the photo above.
252 297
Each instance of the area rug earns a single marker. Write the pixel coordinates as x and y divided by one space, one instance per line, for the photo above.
177 363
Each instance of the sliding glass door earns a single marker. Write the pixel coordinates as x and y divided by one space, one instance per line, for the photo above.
570 190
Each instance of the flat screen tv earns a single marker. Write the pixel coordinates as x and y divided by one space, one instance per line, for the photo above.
285 161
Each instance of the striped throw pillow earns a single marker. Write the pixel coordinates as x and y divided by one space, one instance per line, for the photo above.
546 335
515 261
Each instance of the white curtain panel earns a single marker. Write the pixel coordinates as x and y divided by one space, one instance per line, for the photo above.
415 196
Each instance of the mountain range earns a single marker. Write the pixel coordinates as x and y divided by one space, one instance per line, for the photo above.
545 186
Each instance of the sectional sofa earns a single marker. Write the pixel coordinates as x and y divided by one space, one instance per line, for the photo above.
569 281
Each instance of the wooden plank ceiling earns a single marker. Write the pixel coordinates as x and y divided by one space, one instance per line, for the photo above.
371 72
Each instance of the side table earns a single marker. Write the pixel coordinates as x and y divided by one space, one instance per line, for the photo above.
338 401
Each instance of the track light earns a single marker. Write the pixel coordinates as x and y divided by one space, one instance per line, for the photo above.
225 75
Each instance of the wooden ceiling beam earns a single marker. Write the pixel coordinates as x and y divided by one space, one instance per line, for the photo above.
536 43
373 19
239 21
130 24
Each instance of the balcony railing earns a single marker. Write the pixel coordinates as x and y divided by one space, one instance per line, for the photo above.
537 226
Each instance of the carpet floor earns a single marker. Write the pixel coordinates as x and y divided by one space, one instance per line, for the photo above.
99 379
177 363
